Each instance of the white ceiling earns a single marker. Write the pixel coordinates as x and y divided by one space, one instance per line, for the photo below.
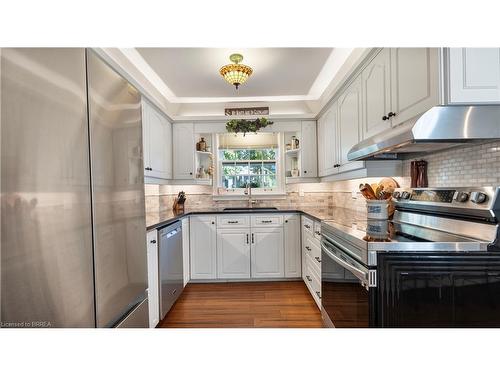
192 74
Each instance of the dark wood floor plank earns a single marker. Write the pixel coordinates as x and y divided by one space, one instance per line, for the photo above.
280 304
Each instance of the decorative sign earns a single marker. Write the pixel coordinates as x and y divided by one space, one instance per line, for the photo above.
256 111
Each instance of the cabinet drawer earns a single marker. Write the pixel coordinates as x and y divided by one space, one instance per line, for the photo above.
307 225
317 230
313 281
315 252
233 221
267 221
316 288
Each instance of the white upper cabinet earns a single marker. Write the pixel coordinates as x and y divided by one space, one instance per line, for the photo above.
414 82
203 247
184 150
327 141
349 119
291 229
233 253
309 163
474 75
267 252
157 140
376 88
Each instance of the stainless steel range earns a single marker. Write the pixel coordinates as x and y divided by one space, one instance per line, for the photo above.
439 240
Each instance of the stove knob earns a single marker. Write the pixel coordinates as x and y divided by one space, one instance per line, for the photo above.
462 197
396 195
478 197
405 195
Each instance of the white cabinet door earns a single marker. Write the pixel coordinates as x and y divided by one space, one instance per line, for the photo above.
185 249
157 140
414 82
233 253
376 87
168 150
474 75
321 145
349 119
308 150
327 138
267 253
153 291
203 247
184 149
291 230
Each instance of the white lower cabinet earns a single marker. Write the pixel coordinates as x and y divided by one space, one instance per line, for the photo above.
267 253
233 253
185 249
203 247
236 246
153 291
291 235
311 257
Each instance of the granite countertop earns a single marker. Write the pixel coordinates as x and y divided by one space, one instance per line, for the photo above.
337 214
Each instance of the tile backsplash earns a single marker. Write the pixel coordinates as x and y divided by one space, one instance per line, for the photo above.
477 165
462 166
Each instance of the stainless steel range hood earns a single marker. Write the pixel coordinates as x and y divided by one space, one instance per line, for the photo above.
437 129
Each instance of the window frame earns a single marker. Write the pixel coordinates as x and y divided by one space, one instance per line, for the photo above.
221 191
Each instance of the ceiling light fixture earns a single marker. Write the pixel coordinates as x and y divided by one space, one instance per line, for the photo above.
236 73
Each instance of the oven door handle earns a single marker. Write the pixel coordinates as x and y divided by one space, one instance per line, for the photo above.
362 276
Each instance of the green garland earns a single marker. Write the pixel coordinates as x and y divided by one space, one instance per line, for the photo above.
247 126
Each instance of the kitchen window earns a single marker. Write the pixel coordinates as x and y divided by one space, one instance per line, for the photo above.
252 161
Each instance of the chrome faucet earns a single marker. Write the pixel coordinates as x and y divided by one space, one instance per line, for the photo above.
248 191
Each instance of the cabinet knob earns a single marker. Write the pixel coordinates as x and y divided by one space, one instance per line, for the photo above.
384 118
213 222
305 172
391 114
191 173
286 221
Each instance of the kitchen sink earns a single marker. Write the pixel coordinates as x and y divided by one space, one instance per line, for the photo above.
249 208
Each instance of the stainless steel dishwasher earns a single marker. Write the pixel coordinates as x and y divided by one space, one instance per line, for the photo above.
170 266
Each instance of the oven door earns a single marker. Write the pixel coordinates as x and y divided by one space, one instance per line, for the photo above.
344 288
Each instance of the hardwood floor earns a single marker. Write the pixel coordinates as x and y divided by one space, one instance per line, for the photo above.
283 304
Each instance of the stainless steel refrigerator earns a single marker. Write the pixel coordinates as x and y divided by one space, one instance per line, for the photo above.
73 251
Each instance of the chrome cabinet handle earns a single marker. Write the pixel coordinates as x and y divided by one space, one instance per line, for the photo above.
308 278
318 259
